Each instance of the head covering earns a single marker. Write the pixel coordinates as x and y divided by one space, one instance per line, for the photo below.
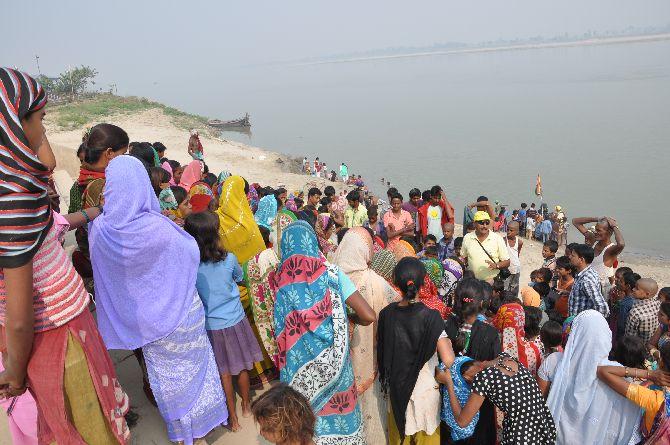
482 216
252 197
584 408
167 200
290 204
238 230
283 220
267 211
168 168
510 321
312 333
157 159
139 299
200 203
326 245
192 174
402 249
258 271
223 176
453 272
462 391
200 188
530 296
24 202
92 196
434 269
383 263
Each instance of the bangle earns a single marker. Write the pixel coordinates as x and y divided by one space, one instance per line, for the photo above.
88 219
625 371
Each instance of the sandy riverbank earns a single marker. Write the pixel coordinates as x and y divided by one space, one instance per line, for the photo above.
256 165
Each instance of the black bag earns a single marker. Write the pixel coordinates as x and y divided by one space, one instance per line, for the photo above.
504 272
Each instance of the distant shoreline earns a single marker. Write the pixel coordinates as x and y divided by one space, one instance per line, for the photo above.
528 46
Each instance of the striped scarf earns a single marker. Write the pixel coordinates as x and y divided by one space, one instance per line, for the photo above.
25 216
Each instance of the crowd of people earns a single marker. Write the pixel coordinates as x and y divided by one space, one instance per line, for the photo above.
379 323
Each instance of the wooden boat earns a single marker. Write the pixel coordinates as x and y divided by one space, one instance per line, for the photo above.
236 123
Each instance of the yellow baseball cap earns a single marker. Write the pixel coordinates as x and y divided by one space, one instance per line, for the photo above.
558 208
482 216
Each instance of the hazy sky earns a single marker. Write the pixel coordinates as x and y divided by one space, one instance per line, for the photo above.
135 43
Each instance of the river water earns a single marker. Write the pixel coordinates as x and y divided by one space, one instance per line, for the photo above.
594 121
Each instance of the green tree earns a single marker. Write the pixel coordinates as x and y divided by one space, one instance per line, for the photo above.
75 80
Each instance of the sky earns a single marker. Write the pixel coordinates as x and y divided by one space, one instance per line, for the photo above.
137 43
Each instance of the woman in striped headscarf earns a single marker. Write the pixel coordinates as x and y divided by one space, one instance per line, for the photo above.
48 335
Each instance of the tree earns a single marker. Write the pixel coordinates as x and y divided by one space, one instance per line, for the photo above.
75 80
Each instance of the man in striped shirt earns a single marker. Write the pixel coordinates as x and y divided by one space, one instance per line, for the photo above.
586 291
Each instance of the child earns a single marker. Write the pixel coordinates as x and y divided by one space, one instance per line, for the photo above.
458 243
445 247
643 318
662 334
234 344
530 225
375 224
174 204
429 240
664 294
532 326
514 245
566 278
630 351
549 250
626 304
551 336
284 416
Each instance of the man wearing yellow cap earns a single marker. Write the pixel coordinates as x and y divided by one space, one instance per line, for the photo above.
484 251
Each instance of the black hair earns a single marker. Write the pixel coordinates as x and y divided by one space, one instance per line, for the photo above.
373 210
314 191
487 293
458 241
204 227
630 351
298 202
414 193
542 288
323 202
665 355
467 273
159 147
623 269
329 191
665 308
205 168
179 193
278 192
210 179
458 344
158 176
265 233
524 205
435 190
425 195
570 246
396 195
246 186
533 319
100 138
353 195
81 150
467 365
391 191
408 276
468 298
551 335
584 252
470 226
174 164
552 245
482 198
431 250
144 152
340 234
630 279
563 262
546 274
431 237
665 291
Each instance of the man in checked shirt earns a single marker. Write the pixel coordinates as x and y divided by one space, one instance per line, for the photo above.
643 316
586 291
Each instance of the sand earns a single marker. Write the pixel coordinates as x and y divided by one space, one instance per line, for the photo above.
257 165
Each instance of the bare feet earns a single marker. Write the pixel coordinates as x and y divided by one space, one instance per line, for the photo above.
233 424
246 408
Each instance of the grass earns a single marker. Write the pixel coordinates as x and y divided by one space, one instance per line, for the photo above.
80 112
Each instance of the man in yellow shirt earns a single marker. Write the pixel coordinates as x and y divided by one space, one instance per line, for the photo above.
482 238
356 214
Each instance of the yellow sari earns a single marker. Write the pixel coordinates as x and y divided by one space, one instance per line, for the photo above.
238 230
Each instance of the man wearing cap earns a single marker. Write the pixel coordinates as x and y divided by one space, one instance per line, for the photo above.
484 251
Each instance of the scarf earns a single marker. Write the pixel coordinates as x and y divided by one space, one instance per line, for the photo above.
462 390
200 188
168 168
290 204
402 249
283 220
139 299
312 334
352 257
92 196
192 174
86 176
327 247
383 263
24 201
252 197
258 271
200 203
167 200
584 408
510 321
267 211
238 230
406 339
428 296
434 269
